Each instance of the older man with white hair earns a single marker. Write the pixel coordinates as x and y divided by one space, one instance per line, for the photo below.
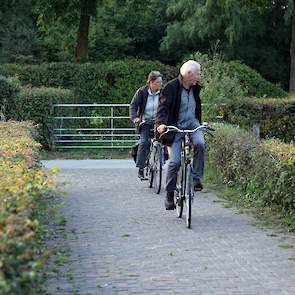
180 106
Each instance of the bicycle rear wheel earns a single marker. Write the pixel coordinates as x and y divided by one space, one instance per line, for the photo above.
158 169
150 174
189 195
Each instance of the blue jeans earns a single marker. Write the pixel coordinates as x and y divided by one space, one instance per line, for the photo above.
144 145
198 141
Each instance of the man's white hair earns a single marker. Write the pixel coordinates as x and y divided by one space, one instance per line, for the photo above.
189 66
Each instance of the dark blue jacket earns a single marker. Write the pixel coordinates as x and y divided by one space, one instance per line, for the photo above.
138 102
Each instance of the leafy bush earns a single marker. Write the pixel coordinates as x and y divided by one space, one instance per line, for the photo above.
253 82
276 117
9 89
103 82
248 80
62 75
225 83
220 89
36 104
263 173
23 186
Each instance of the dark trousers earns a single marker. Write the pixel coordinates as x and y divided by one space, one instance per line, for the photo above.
144 145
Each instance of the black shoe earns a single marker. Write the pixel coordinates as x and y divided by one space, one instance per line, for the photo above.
169 201
140 173
198 185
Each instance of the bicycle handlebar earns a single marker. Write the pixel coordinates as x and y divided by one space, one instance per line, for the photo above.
176 129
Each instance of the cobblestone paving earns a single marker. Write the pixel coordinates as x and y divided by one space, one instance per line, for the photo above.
122 241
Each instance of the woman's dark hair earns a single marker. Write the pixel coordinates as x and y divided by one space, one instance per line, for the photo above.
153 75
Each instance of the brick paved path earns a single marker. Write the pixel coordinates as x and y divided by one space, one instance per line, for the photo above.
122 241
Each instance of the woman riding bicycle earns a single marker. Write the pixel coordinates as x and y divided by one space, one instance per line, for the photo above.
180 106
143 107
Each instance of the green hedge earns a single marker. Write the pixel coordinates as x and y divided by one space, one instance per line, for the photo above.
9 89
117 81
103 82
23 187
264 174
253 82
64 75
276 117
36 104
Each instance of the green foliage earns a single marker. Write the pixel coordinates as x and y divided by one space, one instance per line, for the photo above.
116 81
23 187
227 82
36 104
263 174
132 28
18 36
239 27
63 75
275 116
220 85
253 82
103 82
9 89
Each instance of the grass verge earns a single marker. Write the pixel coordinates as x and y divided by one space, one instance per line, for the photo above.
230 196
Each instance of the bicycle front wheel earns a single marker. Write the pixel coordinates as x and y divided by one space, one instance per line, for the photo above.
189 195
180 191
158 169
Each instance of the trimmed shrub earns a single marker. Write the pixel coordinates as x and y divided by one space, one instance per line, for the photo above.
276 117
64 75
103 82
264 174
124 76
23 186
9 89
36 104
253 82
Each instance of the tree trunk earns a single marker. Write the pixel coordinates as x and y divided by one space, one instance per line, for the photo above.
292 53
82 41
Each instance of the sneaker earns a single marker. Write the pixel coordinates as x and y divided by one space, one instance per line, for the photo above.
198 185
169 201
140 173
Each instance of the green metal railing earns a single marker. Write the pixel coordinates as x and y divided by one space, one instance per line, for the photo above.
93 126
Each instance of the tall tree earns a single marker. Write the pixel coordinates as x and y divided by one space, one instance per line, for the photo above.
87 8
128 28
67 18
253 31
18 33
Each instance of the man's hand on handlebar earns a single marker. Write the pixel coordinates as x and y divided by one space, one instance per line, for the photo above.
161 128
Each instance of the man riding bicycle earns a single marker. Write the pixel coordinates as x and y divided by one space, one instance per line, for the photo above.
180 106
143 107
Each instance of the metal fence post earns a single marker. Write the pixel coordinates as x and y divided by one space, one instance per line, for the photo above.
256 131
